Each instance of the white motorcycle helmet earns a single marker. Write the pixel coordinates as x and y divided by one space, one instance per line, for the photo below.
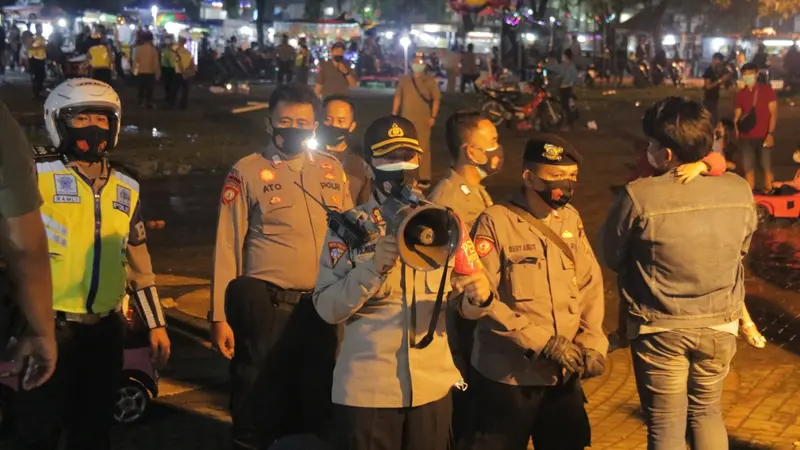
81 96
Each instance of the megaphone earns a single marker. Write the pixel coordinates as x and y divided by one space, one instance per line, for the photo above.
428 235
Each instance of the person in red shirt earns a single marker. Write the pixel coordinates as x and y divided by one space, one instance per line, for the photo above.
756 141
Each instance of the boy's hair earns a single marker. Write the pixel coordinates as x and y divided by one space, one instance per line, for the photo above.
683 126
340 98
458 127
294 94
749 67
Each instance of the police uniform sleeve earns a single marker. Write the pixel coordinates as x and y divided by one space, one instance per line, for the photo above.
19 193
514 326
616 230
228 251
591 296
141 279
342 286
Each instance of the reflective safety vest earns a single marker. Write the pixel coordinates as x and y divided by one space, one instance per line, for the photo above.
100 57
37 50
87 236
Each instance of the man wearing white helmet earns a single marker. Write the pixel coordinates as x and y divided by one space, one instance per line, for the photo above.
96 239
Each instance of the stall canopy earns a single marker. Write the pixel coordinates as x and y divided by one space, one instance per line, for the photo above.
325 29
147 5
175 17
33 12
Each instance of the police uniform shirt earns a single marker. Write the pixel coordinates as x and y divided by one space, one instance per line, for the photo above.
268 227
383 317
541 294
19 194
467 200
360 184
140 277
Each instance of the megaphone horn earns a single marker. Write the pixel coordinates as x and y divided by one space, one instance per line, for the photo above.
427 235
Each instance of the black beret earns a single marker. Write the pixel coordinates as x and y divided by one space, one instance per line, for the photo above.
551 150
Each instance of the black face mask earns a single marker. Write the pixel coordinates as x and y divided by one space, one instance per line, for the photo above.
89 143
391 183
494 162
556 194
338 58
332 136
293 139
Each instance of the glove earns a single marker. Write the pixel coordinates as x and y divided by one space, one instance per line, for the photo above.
386 254
564 352
593 362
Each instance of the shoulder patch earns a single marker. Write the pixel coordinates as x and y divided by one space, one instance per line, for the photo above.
484 245
336 250
44 153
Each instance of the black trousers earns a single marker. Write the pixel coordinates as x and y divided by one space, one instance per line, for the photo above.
282 370
180 87
565 95
38 75
147 83
103 75
712 105
469 79
285 71
425 427
79 399
167 77
506 417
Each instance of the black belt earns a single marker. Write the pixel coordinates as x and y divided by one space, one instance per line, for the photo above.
287 296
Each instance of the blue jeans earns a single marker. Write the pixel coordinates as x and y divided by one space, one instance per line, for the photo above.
679 376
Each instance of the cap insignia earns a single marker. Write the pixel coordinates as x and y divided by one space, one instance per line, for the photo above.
396 131
552 152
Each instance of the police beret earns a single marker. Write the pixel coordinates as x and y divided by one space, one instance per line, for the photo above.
551 150
390 133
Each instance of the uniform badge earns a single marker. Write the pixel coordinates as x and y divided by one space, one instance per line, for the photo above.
465 189
234 180
484 245
336 200
395 131
567 234
377 217
229 194
276 161
266 175
552 152
326 166
66 189
336 250
329 176
123 202
275 200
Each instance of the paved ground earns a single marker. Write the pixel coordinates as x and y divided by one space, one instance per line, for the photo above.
761 404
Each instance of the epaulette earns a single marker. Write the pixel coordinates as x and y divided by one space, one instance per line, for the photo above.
43 154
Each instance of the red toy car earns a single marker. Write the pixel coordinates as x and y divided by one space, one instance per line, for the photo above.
782 203
139 377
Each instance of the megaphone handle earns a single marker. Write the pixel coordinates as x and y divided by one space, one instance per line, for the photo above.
437 309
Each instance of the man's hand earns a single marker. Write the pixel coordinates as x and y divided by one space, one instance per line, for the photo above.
688 172
593 362
475 287
769 141
222 338
37 356
160 346
564 352
386 254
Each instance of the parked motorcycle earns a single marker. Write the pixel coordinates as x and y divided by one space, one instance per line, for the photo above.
542 112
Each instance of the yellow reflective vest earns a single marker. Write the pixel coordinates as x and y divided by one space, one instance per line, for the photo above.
87 236
100 56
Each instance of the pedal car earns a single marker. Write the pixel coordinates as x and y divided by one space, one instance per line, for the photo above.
782 203
139 381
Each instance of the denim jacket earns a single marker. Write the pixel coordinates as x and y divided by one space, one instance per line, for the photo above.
678 249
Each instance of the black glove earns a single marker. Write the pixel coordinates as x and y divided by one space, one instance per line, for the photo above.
564 352
593 362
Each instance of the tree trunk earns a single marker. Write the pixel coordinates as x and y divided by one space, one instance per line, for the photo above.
261 7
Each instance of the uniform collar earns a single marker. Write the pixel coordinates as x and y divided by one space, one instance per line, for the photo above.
540 211
277 159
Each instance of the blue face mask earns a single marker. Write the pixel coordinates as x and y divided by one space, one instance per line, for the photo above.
418 67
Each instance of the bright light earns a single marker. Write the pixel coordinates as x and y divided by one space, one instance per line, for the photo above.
367 9
778 43
389 35
552 19
247 31
62 23
174 28
154 12
530 37
329 11
293 42
132 26
530 12
229 86
312 143
405 42
717 44
581 38
669 40
47 30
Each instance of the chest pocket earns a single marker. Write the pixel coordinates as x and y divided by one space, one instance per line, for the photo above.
332 199
570 272
527 274
277 214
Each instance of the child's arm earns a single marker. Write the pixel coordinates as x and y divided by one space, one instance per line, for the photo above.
713 164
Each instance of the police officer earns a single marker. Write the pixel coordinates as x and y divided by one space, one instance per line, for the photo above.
269 237
100 58
388 393
23 246
92 215
545 332
335 134
472 141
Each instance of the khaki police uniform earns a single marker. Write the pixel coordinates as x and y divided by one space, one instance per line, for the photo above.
467 200
357 176
541 293
382 385
269 238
